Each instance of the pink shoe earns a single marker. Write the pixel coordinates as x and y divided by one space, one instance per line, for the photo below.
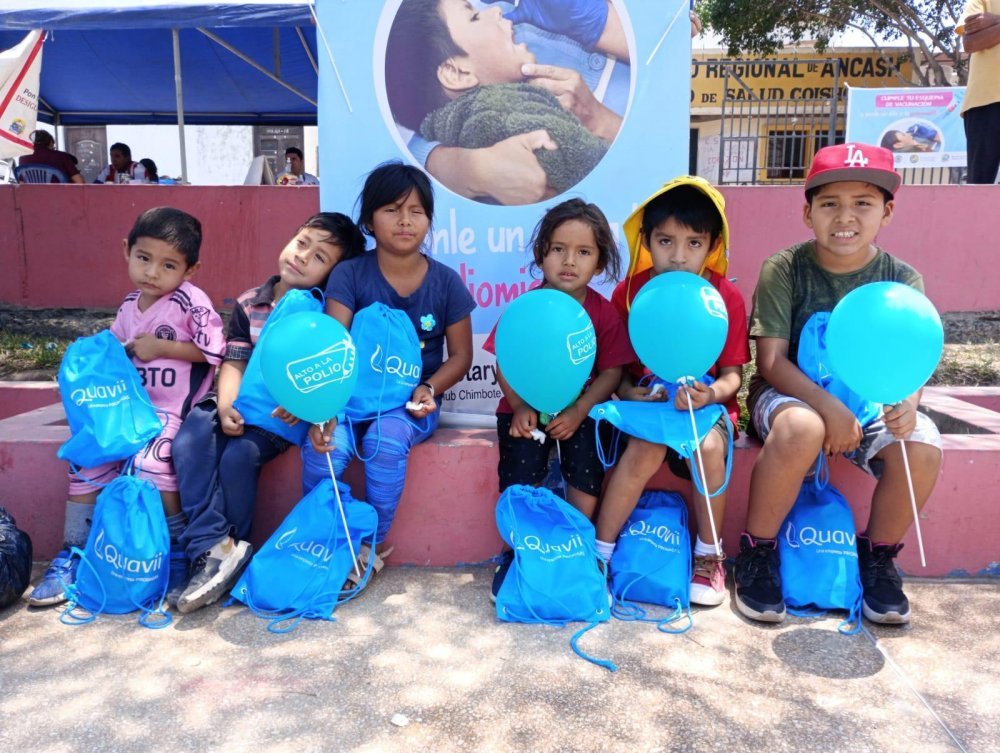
708 581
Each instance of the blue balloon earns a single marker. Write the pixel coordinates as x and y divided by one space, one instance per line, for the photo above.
678 324
308 365
884 340
546 346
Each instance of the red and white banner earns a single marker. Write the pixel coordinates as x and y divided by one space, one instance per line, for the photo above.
20 76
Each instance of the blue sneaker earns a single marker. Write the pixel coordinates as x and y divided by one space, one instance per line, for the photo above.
51 589
506 560
179 576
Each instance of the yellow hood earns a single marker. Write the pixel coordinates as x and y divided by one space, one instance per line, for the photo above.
639 258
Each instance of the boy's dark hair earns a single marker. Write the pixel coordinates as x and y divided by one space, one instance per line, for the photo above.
151 173
886 195
179 229
689 207
391 182
342 231
608 257
296 151
419 41
123 148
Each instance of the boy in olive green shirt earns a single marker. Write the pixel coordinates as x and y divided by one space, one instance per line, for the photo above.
850 197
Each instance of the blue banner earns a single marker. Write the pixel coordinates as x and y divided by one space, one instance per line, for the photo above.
606 120
923 127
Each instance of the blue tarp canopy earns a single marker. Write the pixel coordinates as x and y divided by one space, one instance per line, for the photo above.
104 63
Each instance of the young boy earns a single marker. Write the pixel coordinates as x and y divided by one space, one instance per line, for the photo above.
217 454
174 337
850 192
681 227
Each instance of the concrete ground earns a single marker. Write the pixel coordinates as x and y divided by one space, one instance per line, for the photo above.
425 644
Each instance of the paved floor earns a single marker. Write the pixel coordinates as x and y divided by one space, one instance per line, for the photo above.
425 644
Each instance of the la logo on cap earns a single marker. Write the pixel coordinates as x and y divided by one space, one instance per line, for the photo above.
855 157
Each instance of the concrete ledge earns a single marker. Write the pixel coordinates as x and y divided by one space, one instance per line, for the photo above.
18 397
446 514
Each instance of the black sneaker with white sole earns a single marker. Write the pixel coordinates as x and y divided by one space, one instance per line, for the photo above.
884 601
758 580
212 575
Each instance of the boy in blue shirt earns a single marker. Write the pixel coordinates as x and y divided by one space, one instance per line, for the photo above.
850 192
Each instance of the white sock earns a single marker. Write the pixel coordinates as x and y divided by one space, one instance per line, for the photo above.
605 550
701 549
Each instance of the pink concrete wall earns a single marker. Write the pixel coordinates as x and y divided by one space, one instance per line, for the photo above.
19 397
59 244
446 515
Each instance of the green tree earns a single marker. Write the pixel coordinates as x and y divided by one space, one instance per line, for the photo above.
926 27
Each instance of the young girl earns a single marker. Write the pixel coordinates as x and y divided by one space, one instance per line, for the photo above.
218 456
397 208
572 244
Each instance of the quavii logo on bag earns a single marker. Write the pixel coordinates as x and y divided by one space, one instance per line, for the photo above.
558 550
405 372
122 564
312 553
661 536
101 395
329 366
581 344
823 539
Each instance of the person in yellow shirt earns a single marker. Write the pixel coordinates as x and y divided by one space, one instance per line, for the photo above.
980 32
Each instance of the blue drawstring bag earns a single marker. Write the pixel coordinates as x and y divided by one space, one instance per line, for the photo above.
555 577
389 361
817 547
108 410
254 401
300 570
662 423
125 564
814 362
652 561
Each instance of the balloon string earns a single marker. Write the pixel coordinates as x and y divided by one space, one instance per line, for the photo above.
701 470
913 503
340 506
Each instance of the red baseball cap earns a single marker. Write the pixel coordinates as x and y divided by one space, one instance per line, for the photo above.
864 162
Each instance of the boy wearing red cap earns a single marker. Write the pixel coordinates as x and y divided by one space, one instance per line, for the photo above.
850 192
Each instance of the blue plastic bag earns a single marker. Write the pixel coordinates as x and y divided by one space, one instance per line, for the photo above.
555 577
817 546
814 362
652 561
108 410
125 564
254 401
662 423
300 570
389 361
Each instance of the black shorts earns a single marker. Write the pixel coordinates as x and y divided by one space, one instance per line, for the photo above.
526 461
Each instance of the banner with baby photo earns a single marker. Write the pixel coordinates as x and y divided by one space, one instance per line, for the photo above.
511 108
923 127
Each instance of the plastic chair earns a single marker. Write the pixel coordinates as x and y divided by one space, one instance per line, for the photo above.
39 174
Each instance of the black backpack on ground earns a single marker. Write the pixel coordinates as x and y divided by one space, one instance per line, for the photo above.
15 560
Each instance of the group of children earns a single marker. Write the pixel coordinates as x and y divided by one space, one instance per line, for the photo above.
207 461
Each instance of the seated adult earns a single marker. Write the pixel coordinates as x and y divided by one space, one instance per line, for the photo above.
152 175
44 154
122 169
295 173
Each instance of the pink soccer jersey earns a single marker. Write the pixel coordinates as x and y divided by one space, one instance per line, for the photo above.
186 315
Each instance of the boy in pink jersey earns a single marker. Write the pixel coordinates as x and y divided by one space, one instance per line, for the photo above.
174 337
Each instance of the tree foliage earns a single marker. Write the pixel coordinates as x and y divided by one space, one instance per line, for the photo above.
926 27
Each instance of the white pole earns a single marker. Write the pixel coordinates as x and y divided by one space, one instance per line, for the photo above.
913 503
180 101
701 473
340 506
